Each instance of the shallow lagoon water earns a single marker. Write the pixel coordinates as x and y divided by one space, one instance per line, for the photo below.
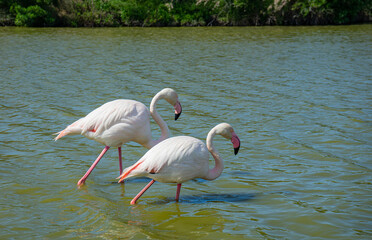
299 98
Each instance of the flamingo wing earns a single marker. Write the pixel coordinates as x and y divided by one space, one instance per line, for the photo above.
112 113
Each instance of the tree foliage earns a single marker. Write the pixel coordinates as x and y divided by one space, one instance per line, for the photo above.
184 12
331 11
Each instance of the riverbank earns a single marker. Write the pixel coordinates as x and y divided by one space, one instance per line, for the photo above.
147 13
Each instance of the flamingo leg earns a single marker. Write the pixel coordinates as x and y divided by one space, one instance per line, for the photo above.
134 200
178 191
82 180
120 162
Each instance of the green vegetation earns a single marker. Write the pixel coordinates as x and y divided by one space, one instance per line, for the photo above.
92 13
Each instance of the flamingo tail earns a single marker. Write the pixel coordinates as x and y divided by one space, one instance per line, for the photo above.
68 131
127 171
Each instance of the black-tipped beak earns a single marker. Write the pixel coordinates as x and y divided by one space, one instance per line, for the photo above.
178 110
177 115
236 143
236 150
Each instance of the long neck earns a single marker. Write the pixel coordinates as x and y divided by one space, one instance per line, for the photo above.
217 170
162 124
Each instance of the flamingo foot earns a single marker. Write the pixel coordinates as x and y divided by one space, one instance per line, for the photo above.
133 201
81 182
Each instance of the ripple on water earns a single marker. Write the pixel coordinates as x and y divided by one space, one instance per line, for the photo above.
295 97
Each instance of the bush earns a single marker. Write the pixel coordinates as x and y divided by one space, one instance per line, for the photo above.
32 16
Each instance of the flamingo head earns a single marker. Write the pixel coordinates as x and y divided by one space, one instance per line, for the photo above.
226 130
171 96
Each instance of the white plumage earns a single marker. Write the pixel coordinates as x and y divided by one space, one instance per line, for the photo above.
174 160
114 123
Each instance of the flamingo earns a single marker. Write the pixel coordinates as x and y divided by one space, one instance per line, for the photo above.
182 158
120 121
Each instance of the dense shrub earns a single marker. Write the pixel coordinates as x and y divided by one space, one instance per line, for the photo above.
30 12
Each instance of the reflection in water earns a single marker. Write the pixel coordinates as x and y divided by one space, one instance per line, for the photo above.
137 180
211 197
240 173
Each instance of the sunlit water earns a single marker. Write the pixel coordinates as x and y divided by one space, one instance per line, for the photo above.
299 98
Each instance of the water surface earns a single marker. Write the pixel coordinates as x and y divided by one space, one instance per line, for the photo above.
299 98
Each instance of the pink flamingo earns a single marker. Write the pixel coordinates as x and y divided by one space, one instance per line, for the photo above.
182 158
120 121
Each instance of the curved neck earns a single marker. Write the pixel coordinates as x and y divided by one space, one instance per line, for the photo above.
162 124
217 170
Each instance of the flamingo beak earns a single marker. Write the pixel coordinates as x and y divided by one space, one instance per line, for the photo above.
236 150
236 142
177 110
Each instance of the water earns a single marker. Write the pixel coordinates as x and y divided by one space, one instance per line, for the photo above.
299 98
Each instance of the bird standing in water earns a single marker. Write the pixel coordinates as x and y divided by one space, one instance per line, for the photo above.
120 121
182 158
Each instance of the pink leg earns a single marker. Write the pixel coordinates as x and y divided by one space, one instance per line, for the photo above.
134 200
120 162
82 180
178 191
